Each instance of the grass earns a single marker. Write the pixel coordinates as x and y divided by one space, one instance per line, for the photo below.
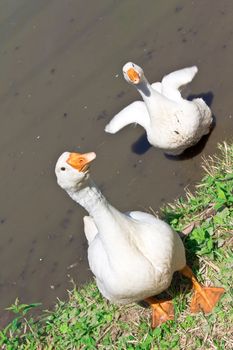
87 321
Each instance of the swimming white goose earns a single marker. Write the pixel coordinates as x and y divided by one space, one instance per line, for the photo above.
172 123
134 255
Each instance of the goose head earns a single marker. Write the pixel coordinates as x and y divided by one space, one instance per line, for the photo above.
72 169
133 74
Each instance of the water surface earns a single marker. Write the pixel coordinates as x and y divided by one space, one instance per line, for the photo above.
61 82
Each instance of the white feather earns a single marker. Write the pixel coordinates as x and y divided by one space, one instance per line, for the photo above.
172 123
132 255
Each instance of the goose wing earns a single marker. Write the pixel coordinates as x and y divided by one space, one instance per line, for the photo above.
90 228
171 83
136 112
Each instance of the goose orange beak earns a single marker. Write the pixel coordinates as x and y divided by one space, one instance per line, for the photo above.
133 75
80 161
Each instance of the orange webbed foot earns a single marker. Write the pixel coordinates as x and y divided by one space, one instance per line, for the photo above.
162 311
205 299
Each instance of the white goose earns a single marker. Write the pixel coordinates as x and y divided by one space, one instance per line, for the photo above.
134 255
172 123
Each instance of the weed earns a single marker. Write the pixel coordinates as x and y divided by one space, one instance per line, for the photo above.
87 321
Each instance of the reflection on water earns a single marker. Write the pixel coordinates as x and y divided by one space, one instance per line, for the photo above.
61 82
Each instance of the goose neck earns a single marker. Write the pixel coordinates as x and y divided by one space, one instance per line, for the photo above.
89 197
144 89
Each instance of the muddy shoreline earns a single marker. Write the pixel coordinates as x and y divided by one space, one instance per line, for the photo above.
61 82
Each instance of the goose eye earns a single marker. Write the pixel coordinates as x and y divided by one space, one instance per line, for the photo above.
63 168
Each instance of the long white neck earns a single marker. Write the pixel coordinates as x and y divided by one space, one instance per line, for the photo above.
148 93
157 104
108 220
89 197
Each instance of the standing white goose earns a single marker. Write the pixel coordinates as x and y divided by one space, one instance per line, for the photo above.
172 123
133 256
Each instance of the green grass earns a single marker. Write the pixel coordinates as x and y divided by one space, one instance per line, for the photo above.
87 321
